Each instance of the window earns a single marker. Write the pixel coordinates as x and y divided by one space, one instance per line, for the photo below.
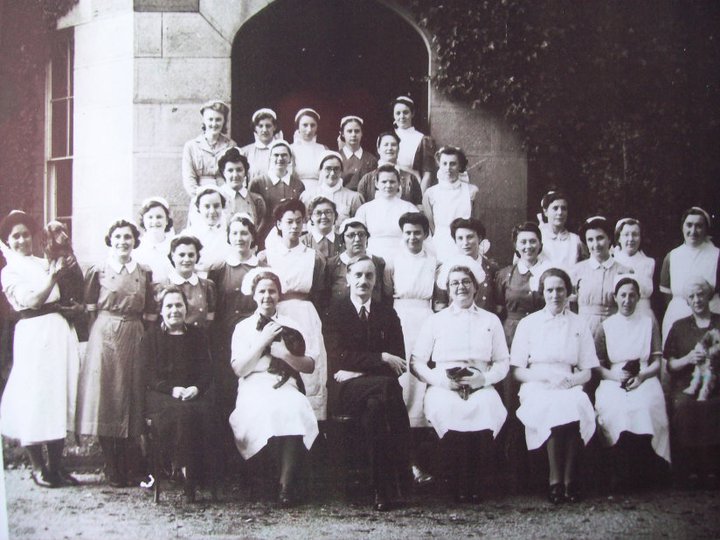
58 193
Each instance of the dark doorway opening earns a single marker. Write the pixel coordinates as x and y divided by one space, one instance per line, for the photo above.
338 57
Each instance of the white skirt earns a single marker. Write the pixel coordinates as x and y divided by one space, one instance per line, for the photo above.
262 412
38 404
542 408
306 316
412 313
641 411
446 410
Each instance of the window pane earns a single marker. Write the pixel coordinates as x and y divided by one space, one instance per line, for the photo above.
63 183
70 131
59 69
59 133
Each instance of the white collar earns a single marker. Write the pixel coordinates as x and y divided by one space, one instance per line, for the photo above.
456 310
547 316
357 153
358 305
324 189
261 145
234 260
318 236
276 179
595 264
118 266
538 268
177 279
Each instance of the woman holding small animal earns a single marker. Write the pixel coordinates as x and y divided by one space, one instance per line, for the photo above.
692 351
38 404
270 402
629 402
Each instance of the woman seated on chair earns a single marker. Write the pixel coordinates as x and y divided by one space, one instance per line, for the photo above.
268 355
178 400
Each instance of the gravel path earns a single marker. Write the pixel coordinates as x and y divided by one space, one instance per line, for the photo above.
96 511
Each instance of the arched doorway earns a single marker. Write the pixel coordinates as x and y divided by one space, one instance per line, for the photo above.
338 57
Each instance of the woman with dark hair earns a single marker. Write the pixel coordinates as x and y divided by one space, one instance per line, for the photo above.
321 227
200 155
594 278
562 247
449 199
302 274
38 403
388 145
468 350
517 287
306 150
356 161
381 215
694 418
552 356
199 292
209 229
628 253
265 129
233 306
235 169
118 296
629 401
178 396
270 403
417 151
697 256
154 245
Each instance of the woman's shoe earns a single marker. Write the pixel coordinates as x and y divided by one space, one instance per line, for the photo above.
44 479
66 478
382 503
556 493
572 493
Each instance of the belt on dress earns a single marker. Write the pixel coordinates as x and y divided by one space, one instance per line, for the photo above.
121 316
45 309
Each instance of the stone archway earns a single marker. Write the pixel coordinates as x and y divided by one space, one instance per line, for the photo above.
340 58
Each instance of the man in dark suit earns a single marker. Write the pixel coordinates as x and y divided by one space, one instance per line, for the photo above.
366 355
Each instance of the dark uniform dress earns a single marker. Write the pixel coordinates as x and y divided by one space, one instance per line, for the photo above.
375 398
272 193
186 428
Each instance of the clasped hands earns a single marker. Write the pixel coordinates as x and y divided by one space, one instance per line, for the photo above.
396 363
185 394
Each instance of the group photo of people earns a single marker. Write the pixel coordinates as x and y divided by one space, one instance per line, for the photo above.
353 284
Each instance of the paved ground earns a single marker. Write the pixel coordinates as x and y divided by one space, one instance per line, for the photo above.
94 510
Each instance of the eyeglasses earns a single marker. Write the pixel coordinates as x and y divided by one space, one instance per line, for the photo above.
464 282
332 169
354 235
323 213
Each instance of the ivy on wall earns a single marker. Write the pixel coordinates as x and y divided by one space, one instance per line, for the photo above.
616 102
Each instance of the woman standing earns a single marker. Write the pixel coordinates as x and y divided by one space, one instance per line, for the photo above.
269 404
694 423
517 287
381 215
200 295
562 247
449 199
118 295
305 148
630 399
209 229
468 348
628 253
258 153
594 278
235 169
200 155
417 151
302 274
356 161
38 403
697 256
178 395
154 245
552 355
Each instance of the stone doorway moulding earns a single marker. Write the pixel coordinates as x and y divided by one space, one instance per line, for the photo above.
339 58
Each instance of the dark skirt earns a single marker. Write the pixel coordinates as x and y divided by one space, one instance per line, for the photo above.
694 423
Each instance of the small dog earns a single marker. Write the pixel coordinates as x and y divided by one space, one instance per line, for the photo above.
58 246
705 374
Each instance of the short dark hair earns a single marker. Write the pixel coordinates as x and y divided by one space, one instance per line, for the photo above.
119 224
453 151
237 218
467 223
360 258
386 134
387 168
169 289
155 204
184 240
288 205
555 272
210 190
529 227
265 274
415 218
625 281
233 155
317 201
596 222
16 217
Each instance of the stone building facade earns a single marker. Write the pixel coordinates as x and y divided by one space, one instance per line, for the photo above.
142 68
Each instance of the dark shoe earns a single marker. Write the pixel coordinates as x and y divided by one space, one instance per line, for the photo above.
66 478
461 498
44 479
382 504
555 494
189 492
285 499
572 493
